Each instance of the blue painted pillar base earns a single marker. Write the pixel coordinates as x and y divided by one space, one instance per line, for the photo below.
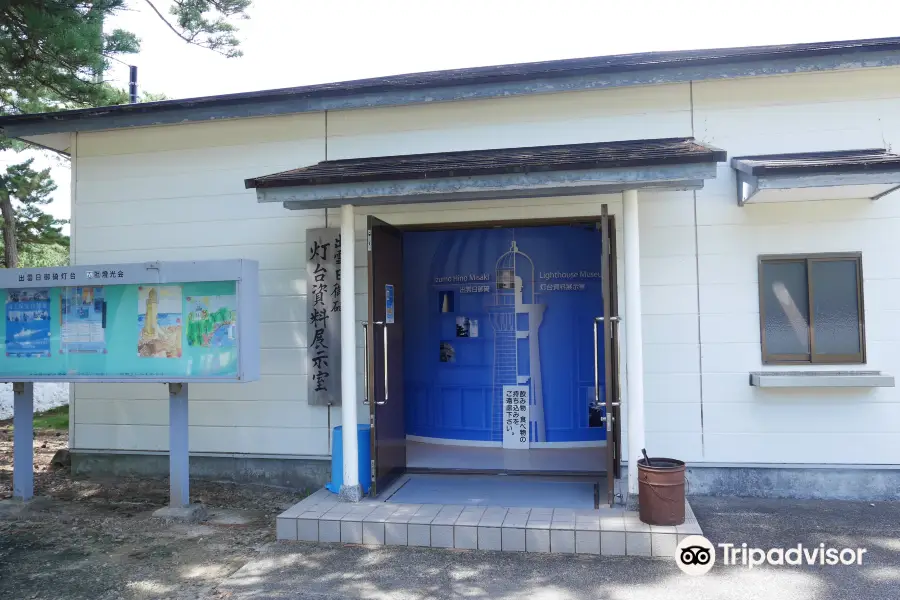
23 441
179 458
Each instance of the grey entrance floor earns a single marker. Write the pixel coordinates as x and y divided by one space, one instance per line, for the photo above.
610 531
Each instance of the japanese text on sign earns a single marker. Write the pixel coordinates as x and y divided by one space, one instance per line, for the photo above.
515 417
323 262
474 289
563 287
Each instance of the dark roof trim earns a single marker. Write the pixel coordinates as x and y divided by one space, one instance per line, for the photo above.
814 163
481 82
533 159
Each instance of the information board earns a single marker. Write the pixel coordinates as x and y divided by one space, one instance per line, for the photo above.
99 329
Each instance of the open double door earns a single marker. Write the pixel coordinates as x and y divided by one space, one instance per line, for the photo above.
384 353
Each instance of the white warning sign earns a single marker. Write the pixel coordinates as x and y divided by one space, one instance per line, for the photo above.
515 417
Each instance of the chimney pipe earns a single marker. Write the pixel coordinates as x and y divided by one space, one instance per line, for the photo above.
132 84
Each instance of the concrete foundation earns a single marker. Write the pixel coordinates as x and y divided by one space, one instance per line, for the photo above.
869 484
292 473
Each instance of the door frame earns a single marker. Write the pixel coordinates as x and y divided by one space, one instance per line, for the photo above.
499 223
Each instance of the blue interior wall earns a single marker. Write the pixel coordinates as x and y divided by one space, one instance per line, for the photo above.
453 274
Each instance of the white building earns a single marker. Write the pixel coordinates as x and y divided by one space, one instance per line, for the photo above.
800 401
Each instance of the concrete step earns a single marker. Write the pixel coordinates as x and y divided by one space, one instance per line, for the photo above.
321 518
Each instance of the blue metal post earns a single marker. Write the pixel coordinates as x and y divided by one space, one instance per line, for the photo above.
23 440
179 475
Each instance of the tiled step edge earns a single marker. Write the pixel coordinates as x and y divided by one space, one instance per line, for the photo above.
657 542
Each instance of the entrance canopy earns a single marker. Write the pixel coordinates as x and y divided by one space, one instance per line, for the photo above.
844 174
563 170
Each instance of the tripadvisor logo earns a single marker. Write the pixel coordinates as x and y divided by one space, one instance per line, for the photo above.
695 555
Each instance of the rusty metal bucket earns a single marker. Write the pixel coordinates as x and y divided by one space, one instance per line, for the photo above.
661 491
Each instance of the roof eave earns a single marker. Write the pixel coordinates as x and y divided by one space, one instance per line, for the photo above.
505 186
280 102
272 181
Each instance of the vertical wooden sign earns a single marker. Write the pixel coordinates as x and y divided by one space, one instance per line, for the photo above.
323 316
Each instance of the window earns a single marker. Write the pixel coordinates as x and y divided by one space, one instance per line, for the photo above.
811 309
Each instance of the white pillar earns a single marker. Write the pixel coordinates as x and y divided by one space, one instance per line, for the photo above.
634 347
350 489
179 447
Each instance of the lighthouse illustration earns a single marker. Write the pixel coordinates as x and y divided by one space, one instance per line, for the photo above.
516 315
150 320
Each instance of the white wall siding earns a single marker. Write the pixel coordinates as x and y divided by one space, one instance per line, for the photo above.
833 111
672 411
608 115
177 193
148 193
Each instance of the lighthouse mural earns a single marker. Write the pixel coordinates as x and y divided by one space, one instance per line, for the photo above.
496 319
516 317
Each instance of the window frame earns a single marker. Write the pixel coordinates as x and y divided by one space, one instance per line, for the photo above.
812 358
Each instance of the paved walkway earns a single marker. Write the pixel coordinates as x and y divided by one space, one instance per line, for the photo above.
296 570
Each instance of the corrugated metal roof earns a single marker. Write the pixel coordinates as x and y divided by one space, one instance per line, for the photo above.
810 163
568 157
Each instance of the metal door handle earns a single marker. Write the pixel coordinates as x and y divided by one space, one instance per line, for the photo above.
596 364
385 332
365 327
597 320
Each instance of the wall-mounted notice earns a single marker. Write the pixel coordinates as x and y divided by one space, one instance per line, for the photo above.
83 323
323 309
28 323
515 417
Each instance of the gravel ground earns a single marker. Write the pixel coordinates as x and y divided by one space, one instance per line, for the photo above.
95 540
321 572
91 540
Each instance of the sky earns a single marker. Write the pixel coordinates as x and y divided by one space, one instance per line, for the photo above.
298 42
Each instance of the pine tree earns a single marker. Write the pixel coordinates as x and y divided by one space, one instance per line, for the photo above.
23 191
53 53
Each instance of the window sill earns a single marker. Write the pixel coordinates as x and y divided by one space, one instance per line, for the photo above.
820 379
